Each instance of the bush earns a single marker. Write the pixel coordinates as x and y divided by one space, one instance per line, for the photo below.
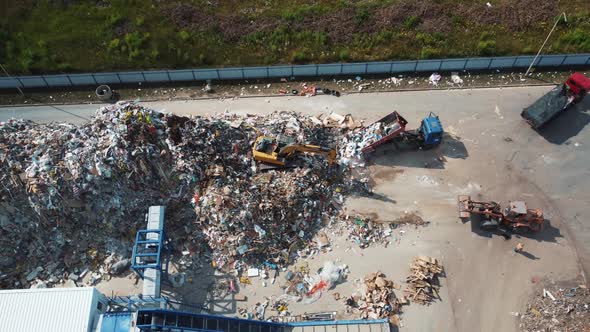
411 22
184 36
577 40
139 21
298 57
487 45
362 16
115 19
114 45
429 53
344 55
134 42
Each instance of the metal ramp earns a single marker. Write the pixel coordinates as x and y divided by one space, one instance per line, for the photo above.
151 252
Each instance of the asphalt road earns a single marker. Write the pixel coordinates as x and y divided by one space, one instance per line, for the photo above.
490 153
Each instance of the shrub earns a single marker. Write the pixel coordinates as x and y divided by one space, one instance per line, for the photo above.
115 19
114 45
362 16
344 55
424 38
134 41
184 35
411 22
577 40
487 44
139 21
429 53
298 57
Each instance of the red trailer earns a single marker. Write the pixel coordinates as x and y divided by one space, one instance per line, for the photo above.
392 126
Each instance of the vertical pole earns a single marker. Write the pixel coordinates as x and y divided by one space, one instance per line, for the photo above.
545 42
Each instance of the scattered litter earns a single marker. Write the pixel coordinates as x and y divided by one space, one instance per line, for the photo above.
456 79
434 78
561 309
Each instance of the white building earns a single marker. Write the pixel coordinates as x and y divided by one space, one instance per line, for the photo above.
51 309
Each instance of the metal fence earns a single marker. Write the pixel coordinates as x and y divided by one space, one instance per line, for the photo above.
334 69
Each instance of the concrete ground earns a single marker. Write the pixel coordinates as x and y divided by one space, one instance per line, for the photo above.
489 153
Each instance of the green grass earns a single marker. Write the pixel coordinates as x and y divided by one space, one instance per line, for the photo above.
42 37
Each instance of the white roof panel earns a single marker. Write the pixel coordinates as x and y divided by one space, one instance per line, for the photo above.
50 309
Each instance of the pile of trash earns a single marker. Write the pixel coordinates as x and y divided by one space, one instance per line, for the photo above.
72 196
559 309
376 299
364 231
423 283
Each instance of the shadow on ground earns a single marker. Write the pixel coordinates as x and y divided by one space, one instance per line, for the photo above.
567 124
435 158
205 291
549 233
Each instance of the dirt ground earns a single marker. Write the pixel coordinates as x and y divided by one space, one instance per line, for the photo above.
488 153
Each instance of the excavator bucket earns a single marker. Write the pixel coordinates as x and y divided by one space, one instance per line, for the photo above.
463 205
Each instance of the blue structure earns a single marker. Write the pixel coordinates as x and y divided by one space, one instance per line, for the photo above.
151 320
149 249
554 62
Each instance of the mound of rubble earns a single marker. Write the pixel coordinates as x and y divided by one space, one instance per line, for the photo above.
74 196
376 299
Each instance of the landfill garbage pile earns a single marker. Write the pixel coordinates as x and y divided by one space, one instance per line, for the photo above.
376 299
558 309
72 196
423 283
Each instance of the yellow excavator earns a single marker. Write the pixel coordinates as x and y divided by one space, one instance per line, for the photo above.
272 151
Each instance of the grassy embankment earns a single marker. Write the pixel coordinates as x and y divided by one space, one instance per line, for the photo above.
83 35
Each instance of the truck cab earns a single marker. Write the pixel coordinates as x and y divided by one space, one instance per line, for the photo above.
431 130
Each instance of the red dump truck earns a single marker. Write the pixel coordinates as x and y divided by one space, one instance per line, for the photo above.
392 128
557 100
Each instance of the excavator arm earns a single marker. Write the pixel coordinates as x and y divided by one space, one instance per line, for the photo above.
289 151
270 150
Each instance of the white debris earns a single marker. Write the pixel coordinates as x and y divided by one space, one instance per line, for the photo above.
456 79
434 78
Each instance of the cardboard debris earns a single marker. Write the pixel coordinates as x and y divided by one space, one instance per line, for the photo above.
376 299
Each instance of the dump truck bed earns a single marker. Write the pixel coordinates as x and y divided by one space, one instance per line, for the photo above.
392 125
547 107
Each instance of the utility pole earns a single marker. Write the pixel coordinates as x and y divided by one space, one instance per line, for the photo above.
545 42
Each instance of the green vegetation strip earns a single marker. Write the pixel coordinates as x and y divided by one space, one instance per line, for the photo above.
59 36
